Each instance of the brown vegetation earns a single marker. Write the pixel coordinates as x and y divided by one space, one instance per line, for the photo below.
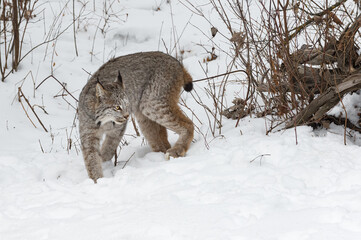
299 57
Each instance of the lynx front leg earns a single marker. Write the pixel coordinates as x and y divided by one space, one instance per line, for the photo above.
111 143
155 134
90 148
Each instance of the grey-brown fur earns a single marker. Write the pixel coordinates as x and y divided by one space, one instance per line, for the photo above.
145 84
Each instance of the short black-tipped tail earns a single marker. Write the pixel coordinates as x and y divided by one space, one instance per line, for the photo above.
188 87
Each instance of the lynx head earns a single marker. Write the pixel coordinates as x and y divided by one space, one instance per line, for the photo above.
111 105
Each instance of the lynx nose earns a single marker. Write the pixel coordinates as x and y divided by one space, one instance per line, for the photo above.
126 115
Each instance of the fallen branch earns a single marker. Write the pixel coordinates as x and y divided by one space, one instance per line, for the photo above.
308 54
327 100
342 121
307 79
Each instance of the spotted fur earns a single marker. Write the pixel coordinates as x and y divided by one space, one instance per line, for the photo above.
145 84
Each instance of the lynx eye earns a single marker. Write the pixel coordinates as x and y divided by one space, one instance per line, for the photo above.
117 108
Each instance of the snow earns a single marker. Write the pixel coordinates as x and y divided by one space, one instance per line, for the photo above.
240 184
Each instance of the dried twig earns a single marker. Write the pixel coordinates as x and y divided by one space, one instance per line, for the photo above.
314 19
21 95
135 127
22 105
220 75
41 147
126 162
260 158
115 158
64 87
74 33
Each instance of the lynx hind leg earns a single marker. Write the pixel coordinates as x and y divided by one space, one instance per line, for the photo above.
111 142
90 148
171 117
155 134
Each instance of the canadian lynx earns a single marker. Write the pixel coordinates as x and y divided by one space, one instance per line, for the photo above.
146 84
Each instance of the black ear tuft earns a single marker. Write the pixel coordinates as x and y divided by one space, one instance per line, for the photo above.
120 79
98 81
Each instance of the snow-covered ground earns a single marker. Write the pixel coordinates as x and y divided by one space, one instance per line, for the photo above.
241 184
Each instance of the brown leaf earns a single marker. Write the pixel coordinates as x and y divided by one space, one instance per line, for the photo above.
335 18
238 38
326 124
214 31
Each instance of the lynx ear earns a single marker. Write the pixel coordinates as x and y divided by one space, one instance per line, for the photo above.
100 91
119 79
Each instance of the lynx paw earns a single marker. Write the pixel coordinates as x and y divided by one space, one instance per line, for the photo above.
175 152
96 175
159 149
